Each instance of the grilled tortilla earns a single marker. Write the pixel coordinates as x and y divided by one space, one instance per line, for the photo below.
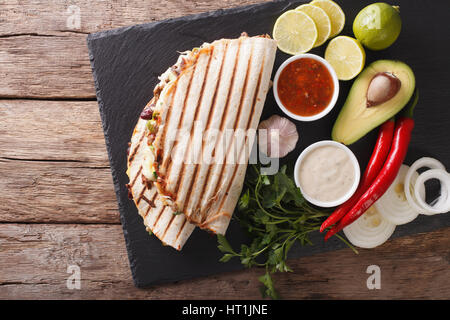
171 229
190 158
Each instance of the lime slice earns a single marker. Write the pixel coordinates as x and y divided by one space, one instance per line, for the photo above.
335 13
295 32
347 57
321 19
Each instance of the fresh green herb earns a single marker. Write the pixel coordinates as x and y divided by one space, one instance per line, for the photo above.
275 214
177 213
150 232
155 175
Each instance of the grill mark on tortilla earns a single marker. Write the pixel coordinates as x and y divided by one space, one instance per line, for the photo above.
135 178
163 133
151 203
181 229
146 212
162 177
222 124
255 97
200 100
195 177
238 116
159 216
141 194
248 124
180 122
135 150
168 225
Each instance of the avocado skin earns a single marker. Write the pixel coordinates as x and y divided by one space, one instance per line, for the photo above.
356 119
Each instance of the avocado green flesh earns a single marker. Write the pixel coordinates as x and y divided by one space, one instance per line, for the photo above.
356 119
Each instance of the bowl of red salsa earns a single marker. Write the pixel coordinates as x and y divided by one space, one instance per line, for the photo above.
306 87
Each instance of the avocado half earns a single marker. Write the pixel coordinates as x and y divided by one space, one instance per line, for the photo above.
356 119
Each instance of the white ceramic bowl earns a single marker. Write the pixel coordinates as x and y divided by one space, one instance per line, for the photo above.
333 100
352 158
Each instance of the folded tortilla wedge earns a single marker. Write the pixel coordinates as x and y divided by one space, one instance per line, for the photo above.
187 162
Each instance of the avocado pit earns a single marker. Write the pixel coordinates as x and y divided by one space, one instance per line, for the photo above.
356 119
383 87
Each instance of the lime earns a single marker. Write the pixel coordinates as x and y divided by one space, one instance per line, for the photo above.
321 20
334 11
377 26
295 32
347 57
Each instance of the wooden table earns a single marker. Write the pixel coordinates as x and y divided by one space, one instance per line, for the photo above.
57 205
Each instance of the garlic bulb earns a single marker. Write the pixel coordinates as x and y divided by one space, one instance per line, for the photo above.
277 136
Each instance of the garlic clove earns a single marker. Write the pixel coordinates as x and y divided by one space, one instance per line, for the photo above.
277 136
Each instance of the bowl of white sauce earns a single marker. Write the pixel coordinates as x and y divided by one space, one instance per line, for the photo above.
327 173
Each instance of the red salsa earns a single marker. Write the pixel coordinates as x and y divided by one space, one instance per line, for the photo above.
305 87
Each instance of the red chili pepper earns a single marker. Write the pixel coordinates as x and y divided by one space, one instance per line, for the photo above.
379 155
387 174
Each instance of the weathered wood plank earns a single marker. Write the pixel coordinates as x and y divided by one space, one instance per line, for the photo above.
54 17
43 52
55 192
35 259
53 163
52 130
45 67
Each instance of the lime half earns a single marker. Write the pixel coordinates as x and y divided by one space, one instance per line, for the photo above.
347 57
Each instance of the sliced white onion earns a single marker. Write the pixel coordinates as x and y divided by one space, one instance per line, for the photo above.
443 204
393 205
370 230
425 162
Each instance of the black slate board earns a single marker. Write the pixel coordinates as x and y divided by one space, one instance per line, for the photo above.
127 61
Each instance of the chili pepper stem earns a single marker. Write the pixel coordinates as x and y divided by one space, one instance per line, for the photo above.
409 110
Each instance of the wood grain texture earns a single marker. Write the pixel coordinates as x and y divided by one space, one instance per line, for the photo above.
56 192
45 67
35 259
54 17
52 130
53 158
43 52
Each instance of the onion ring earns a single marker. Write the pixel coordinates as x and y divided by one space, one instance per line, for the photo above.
370 230
442 205
421 163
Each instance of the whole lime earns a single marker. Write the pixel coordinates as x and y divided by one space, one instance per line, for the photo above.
377 26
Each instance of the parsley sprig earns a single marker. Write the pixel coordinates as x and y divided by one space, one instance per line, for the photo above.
275 214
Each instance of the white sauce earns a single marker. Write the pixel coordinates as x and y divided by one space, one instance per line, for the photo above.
326 173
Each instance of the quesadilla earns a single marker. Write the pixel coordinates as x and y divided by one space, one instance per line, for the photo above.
190 148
